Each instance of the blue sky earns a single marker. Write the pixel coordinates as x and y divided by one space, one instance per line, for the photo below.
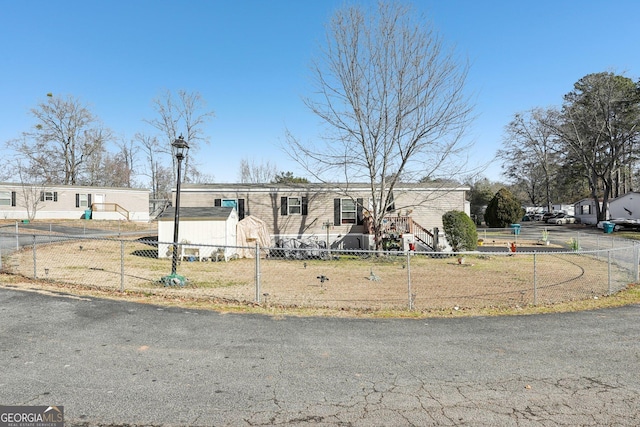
249 60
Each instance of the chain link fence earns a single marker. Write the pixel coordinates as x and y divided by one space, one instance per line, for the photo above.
308 274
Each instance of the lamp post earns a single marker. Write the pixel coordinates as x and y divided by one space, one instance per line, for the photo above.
181 147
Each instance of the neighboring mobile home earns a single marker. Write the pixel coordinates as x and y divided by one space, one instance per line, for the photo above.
333 211
626 206
585 211
29 202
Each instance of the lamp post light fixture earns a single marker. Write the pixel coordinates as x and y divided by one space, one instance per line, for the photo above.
180 147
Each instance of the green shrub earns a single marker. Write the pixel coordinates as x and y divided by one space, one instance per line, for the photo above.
504 209
460 231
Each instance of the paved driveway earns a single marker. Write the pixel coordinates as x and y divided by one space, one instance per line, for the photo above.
112 363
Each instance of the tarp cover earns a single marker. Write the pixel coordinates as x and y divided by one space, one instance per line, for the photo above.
249 231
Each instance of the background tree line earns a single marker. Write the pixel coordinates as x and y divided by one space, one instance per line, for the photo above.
587 147
69 145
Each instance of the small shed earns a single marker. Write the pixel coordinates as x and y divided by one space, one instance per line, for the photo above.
203 232
252 230
626 206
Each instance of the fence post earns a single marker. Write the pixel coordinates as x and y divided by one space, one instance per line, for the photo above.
35 274
636 263
609 270
436 238
121 265
535 279
257 271
409 280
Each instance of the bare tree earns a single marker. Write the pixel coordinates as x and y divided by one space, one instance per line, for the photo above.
530 153
185 114
31 190
198 177
257 173
392 98
154 169
127 155
63 141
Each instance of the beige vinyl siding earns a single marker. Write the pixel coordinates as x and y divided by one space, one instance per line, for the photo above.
62 203
265 202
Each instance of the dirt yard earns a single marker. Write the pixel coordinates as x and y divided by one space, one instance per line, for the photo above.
419 282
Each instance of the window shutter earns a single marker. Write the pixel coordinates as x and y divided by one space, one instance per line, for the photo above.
42 196
89 200
336 211
240 208
13 198
77 200
392 204
305 206
217 202
360 219
55 196
283 206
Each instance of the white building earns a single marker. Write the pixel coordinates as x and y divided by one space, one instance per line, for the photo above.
37 202
210 226
625 207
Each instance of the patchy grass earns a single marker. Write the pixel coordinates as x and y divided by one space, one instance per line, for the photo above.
629 296
632 235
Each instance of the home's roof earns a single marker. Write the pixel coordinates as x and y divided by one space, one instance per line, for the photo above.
625 196
51 187
318 187
211 212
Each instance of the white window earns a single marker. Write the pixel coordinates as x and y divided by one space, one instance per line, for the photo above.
84 200
348 211
294 205
49 196
5 198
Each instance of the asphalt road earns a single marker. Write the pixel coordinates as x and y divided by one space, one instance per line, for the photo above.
112 363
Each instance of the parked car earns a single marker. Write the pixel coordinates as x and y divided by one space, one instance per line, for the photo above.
620 223
549 216
563 219
551 220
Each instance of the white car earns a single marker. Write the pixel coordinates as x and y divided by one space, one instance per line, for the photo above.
563 219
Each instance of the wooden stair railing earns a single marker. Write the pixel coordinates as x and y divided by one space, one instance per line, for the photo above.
406 224
110 207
